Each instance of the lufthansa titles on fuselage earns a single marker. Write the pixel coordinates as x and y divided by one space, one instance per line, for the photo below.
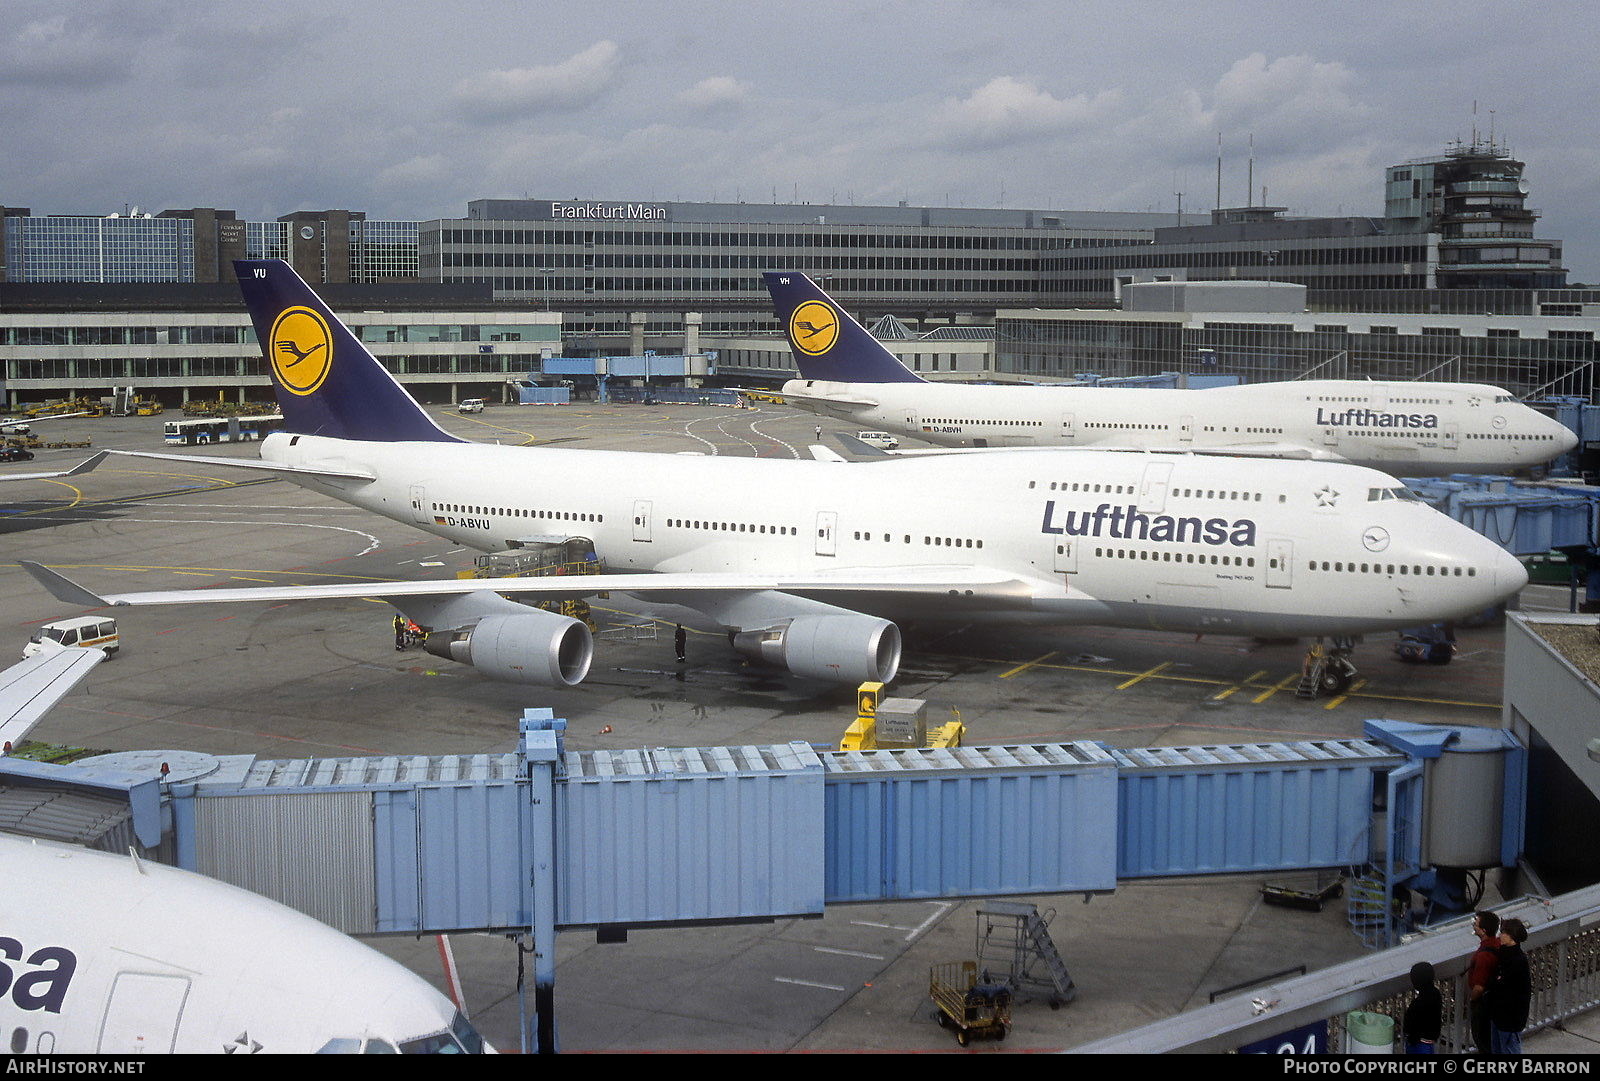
1372 418
40 982
1130 523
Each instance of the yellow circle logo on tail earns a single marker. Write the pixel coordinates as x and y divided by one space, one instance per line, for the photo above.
301 348
814 327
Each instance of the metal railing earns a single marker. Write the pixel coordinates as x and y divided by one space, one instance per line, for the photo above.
1563 949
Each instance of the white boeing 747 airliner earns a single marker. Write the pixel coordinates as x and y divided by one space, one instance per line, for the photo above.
112 955
810 565
1406 429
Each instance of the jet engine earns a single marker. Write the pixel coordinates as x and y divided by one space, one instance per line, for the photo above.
532 647
845 648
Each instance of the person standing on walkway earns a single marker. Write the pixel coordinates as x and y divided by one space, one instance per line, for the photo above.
1512 992
679 640
1486 925
1425 1016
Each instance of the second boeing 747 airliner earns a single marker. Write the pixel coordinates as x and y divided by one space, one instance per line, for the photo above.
1406 429
810 565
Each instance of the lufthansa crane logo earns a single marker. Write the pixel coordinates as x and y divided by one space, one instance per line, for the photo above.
301 348
814 327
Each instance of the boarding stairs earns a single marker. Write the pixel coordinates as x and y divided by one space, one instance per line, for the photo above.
1015 948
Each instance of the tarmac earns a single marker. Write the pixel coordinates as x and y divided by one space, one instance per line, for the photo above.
321 679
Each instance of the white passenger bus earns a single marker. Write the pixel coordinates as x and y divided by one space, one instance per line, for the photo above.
221 429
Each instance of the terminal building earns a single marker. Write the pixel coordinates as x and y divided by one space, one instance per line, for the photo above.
91 302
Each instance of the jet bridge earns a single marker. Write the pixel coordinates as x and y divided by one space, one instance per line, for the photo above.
545 838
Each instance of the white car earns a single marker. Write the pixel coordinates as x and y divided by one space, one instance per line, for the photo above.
470 405
882 440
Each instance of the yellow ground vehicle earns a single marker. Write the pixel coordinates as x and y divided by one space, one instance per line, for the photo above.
974 1010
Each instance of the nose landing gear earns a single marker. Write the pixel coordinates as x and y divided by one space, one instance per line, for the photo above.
1328 670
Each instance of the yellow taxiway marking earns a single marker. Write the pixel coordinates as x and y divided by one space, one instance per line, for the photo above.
1292 677
1237 687
1339 699
1025 667
242 578
1162 667
528 437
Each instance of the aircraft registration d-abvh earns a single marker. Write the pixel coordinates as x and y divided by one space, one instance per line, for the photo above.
1412 429
812 565
115 955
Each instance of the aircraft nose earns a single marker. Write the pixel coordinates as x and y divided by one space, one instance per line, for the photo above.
1506 572
1565 438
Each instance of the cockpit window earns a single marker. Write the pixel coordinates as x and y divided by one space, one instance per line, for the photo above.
462 1039
380 1047
1375 495
1503 398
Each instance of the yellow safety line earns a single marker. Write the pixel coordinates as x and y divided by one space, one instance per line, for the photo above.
1025 667
1163 666
1264 695
1241 685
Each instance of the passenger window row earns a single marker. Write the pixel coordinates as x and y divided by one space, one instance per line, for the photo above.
1413 570
941 542
733 527
519 512
1168 556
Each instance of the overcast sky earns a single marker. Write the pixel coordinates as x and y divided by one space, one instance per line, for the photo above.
407 110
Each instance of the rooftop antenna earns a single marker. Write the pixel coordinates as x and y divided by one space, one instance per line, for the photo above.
1180 206
1250 174
1219 171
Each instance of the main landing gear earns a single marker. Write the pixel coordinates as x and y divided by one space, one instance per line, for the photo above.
1327 670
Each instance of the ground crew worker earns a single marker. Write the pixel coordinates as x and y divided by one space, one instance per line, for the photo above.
399 631
679 639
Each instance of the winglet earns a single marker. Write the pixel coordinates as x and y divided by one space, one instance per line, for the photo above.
826 342
858 448
61 587
87 464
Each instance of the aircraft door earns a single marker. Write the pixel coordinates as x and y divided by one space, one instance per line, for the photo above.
1185 430
1069 427
419 505
1066 561
1451 436
143 1015
827 523
911 421
1153 488
641 520
1280 564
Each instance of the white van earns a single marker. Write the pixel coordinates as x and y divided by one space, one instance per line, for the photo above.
90 632
882 440
470 405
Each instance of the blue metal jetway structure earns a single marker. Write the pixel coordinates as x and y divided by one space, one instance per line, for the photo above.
544 838
1526 518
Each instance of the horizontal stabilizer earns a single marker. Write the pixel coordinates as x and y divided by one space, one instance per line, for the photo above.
328 472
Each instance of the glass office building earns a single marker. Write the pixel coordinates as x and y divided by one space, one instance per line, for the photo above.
114 249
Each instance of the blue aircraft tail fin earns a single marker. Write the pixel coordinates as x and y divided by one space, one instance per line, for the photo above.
827 343
326 381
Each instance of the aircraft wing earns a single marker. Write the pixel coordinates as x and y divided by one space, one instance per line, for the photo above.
82 467
329 471
924 581
28 690
1292 451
